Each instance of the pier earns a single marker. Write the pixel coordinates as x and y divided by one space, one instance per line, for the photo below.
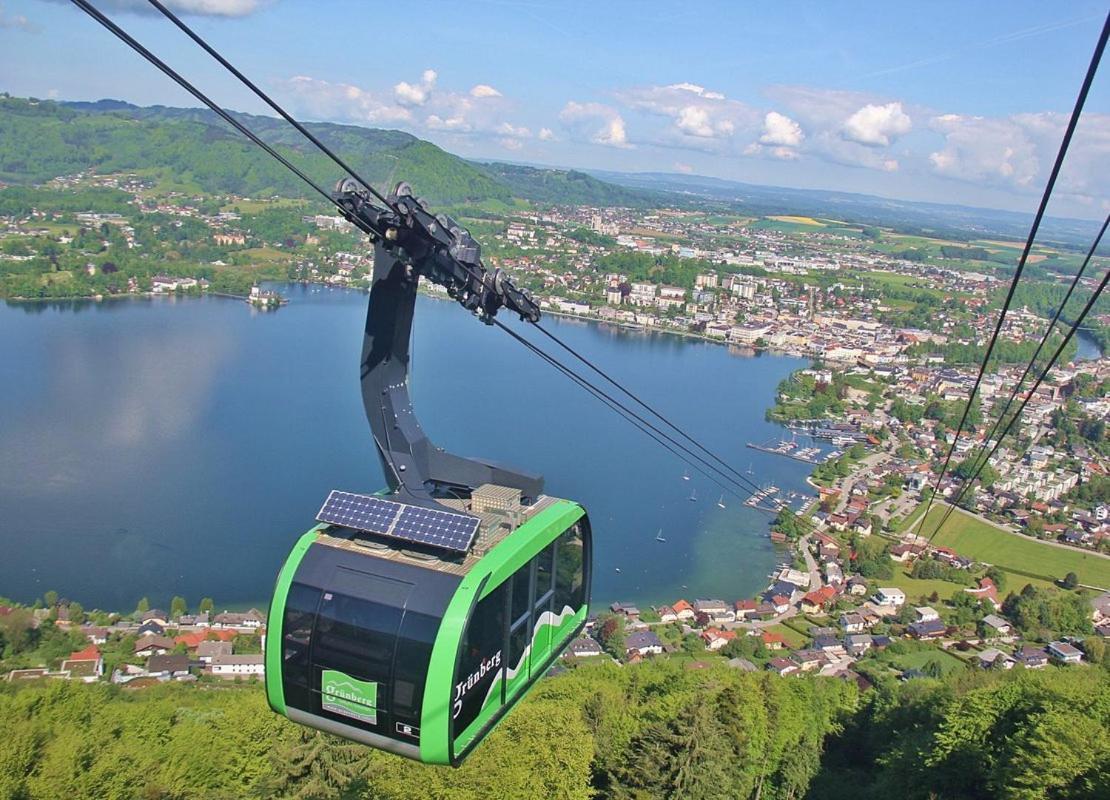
790 449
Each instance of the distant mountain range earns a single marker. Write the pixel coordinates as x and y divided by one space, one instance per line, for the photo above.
193 149
905 215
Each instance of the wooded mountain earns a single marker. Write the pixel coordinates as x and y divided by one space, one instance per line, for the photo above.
193 148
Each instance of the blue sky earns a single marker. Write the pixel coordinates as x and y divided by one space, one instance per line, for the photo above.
944 101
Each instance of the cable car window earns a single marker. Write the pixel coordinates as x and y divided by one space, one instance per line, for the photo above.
410 670
356 636
570 589
544 569
296 629
482 658
519 638
522 593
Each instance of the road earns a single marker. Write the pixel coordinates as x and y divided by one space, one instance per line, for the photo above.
814 583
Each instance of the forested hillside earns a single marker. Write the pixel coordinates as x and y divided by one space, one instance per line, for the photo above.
654 730
567 186
194 149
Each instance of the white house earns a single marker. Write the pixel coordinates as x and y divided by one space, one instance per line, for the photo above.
925 613
232 666
889 598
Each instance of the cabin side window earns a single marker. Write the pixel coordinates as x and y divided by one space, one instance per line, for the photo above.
570 584
482 657
410 670
296 635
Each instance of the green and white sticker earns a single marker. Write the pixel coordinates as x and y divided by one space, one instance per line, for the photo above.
349 696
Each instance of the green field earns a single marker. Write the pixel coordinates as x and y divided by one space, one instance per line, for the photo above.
793 638
948 663
918 591
970 537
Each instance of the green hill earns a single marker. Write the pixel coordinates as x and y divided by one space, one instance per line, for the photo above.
193 150
40 140
567 186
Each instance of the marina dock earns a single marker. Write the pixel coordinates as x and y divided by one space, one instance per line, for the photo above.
790 449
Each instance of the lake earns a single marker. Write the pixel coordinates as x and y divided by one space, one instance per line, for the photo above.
165 446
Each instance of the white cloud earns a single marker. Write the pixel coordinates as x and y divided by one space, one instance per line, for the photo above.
343 102
779 129
699 118
600 124
421 106
843 127
484 90
408 94
877 125
682 167
508 129
546 135
986 150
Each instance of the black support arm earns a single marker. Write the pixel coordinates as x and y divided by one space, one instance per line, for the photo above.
410 243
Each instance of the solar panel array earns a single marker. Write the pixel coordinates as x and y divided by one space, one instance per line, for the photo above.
408 523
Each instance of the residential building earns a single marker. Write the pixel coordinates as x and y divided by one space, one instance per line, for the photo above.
237 665
1064 653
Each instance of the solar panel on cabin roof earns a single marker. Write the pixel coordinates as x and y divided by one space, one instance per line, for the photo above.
408 523
359 511
438 528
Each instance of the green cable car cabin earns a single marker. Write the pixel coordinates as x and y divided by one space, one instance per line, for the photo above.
413 651
413 620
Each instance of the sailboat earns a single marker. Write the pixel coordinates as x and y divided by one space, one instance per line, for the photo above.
721 502
659 537
750 468
685 475
693 495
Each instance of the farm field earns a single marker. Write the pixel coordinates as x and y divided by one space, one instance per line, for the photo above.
797 220
973 538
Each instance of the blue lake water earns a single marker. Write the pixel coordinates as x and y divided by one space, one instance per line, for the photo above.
179 446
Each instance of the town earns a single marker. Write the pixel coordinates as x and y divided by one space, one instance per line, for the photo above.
893 325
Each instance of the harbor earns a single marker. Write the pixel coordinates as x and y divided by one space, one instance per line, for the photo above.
772 500
790 449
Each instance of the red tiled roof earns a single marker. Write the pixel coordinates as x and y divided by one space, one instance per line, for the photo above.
90 653
682 605
192 640
770 637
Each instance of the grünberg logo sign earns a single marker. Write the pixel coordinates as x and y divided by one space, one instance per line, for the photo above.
349 697
487 666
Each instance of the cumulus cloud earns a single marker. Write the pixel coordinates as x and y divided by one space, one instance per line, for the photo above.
843 127
196 8
877 125
484 90
546 135
410 94
1016 152
422 106
984 150
699 118
779 129
600 124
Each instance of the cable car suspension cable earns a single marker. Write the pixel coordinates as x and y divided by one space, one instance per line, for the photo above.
1073 121
700 463
982 463
268 100
127 39
690 457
